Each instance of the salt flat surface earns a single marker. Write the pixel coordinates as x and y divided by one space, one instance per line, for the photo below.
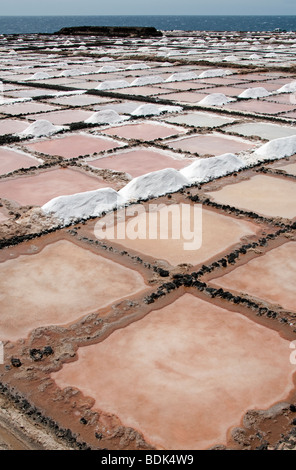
263 130
59 285
180 361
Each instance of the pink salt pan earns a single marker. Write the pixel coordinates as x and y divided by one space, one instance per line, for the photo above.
38 189
12 126
211 144
275 277
184 374
228 231
144 131
11 160
266 195
57 286
73 146
59 118
260 107
139 162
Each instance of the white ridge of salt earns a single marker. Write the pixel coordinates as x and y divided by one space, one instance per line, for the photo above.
41 128
153 109
288 88
254 56
112 85
39 76
215 99
205 169
83 205
181 76
138 67
108 68
70 73
215 73
154 184
147 80
277 148
106 116
257 92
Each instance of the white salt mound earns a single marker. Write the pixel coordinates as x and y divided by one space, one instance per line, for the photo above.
39 76
83 205
108 68
70 73
215 73
148 80
106 116
138 67
215 99
153 184
112 85
257 92
278 148
205 169
179 77
41 128
154 110
288 88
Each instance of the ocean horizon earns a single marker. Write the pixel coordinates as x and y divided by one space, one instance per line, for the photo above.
50 24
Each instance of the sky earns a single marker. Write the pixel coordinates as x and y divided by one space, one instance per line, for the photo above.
152 7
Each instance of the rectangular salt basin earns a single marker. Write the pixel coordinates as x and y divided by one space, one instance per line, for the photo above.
266 195
143 131
12 126
58 285
199 120
141 90
260 107
60 118
138 162
183 361
26 108
186 97
211 144
38 189
73 145
79 100
289 168
271 277
178 249
11 160
263 130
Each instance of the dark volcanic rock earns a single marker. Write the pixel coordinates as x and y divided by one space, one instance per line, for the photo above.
111 31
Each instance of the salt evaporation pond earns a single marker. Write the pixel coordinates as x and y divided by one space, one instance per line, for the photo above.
58 285
175 365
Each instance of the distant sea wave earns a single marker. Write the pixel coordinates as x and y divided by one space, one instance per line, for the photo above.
50 24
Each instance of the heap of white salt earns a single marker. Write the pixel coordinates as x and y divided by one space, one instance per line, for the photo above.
215 73
181 76
108 68
288 88
106 116
154 110
257 92
39 76
215 99
205 169
138 67
41 128
112 85
277 148
154 184
83 205
147 80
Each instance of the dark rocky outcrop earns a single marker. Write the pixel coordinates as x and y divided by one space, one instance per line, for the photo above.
110 31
